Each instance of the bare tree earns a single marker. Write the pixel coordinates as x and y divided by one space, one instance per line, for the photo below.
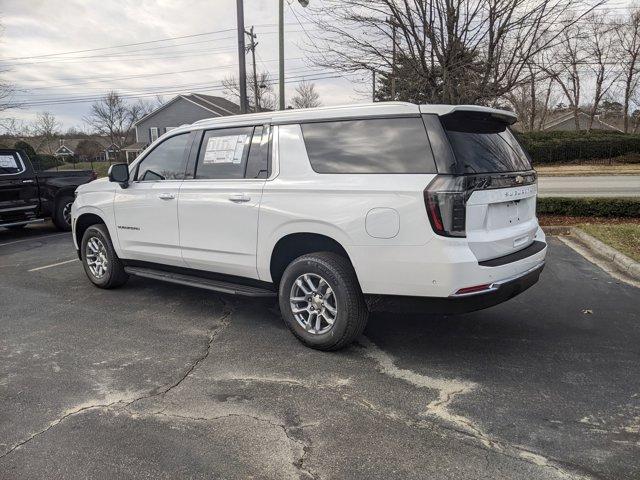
628 32
462 51
47 128
14 128
306 96
599 43
564 61
264 95
113 117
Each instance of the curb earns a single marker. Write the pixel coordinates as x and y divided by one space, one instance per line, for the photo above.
625 264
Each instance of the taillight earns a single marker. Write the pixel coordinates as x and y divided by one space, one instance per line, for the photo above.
445 199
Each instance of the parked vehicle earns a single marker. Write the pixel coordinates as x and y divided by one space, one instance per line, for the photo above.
335 211
27 196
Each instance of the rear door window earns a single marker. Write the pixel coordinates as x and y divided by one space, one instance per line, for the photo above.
10 163
382 145
223 153
483 144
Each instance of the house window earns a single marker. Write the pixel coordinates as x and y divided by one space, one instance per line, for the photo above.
154 133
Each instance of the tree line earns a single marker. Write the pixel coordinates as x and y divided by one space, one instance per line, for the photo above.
526 55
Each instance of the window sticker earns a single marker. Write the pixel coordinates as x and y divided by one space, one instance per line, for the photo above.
226 149
8 161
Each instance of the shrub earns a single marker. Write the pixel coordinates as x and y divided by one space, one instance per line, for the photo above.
565 147
590 207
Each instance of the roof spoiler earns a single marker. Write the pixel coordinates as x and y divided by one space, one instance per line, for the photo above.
501 115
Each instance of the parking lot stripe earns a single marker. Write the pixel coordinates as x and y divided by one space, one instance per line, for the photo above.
53 265
34 238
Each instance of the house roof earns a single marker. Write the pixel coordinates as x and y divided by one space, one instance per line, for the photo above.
218 106
569 115
134 147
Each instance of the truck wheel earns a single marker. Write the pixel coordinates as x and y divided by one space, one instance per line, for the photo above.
321 301
99 259
62 213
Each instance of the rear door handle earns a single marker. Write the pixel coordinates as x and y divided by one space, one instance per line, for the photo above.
166 196
240 198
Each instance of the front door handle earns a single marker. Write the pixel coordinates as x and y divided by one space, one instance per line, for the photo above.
166 196
240 198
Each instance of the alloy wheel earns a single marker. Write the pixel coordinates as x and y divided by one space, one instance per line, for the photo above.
313 303
96 257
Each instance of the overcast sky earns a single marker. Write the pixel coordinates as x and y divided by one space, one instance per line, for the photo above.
34 30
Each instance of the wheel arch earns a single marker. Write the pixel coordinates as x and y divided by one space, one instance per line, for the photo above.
293 245
83 222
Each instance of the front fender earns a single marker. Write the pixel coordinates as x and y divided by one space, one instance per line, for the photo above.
101 205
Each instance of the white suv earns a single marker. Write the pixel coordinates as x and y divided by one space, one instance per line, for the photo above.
336 211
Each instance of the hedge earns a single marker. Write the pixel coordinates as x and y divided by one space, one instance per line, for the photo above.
565 147
590 207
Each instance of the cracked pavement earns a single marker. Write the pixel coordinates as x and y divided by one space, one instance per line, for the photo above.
162 381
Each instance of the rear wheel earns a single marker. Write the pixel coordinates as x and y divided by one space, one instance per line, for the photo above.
321 301
62 213
99 259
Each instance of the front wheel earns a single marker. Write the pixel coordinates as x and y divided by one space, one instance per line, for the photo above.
99 259
321 301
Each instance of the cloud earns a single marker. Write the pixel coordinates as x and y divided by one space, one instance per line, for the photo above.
198 63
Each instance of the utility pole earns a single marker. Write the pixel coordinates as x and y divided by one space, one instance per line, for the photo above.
281 54
304 4
242 69
252 47
393 58
373 85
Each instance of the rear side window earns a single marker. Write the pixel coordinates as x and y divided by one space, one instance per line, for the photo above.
167 161
382 145
10 164
223 153
482 144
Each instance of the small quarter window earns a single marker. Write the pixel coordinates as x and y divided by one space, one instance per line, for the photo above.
223 153
258 161
167 161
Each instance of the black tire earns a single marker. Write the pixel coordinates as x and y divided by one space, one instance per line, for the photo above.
62 221
115 276
352 313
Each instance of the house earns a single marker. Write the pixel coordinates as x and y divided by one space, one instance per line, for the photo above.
181 109
566 122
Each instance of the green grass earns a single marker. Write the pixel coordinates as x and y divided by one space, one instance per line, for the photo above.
624 237
100 168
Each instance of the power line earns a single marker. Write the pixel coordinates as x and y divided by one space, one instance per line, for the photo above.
205 88
132 44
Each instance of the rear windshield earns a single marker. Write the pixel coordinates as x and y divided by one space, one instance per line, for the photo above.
10 164
381 145
482 144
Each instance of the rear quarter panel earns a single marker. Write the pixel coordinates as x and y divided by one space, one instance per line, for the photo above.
300 200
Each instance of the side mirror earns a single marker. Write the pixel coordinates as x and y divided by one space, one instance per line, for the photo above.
119 173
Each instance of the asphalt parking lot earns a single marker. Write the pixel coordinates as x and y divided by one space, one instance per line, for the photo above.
162 381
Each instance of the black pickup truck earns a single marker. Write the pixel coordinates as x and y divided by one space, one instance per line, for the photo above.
27 196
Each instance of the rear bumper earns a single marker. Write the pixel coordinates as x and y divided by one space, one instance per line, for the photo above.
500 291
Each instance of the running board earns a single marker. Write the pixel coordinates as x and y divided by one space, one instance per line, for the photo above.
198 282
